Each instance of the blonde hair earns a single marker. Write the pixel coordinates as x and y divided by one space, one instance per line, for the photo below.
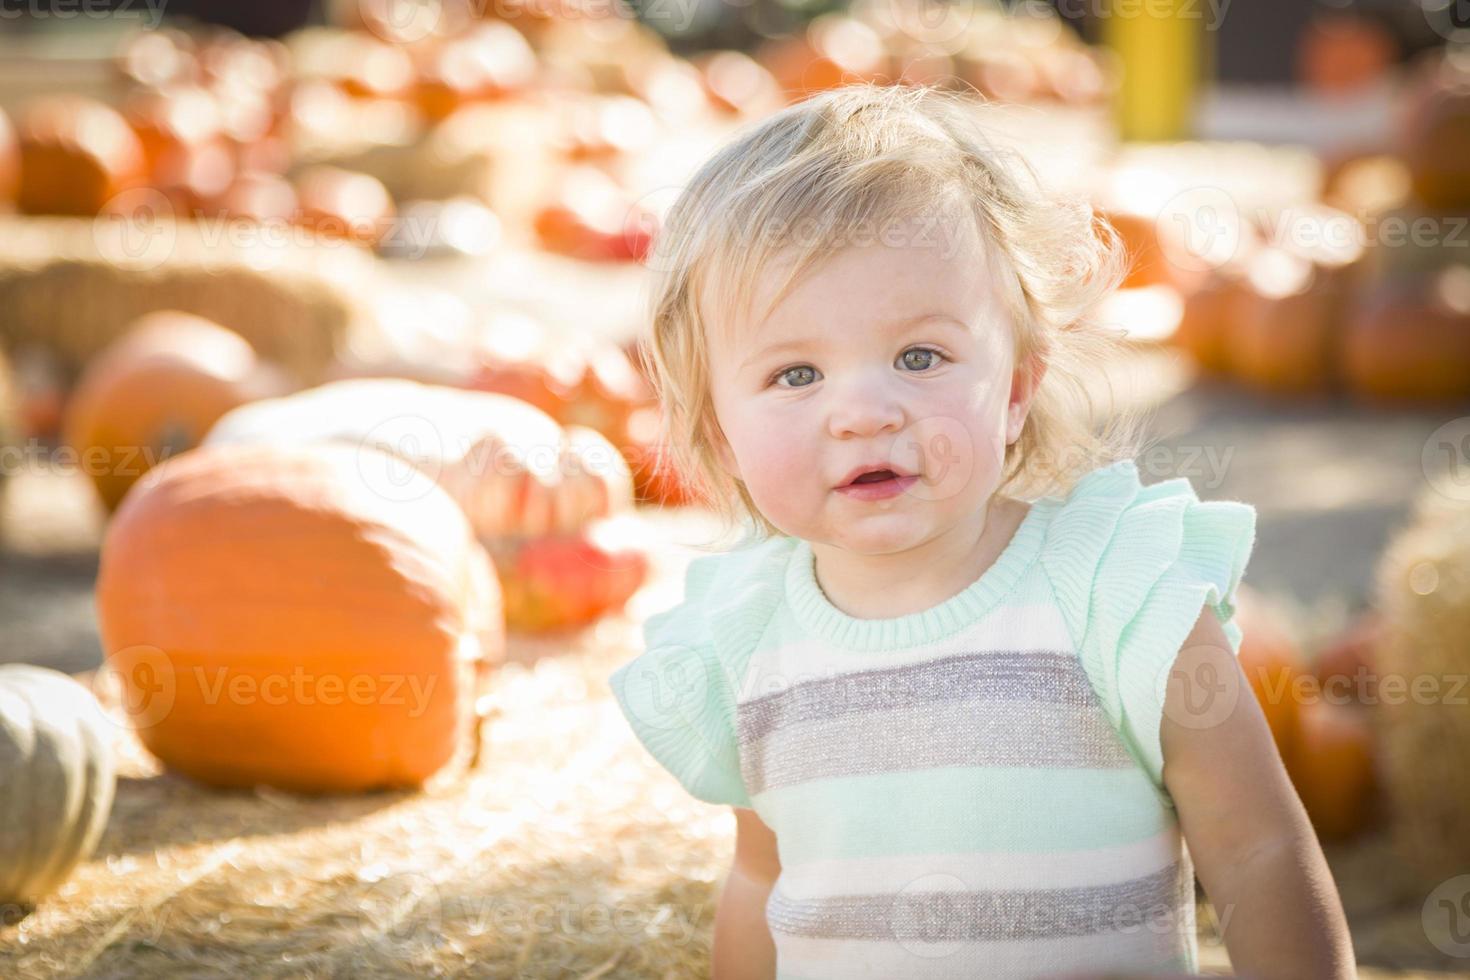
866 156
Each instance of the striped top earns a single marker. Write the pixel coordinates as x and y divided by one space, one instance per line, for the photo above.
972 789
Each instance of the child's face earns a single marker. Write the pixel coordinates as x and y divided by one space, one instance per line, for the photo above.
859 388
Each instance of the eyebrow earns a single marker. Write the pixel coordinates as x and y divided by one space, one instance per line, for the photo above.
895 326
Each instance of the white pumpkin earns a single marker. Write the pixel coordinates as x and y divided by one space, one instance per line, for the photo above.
57 778
512 468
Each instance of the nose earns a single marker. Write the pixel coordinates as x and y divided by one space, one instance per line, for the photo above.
863 407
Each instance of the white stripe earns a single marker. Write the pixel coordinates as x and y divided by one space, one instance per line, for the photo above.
842 959
983 870
794 659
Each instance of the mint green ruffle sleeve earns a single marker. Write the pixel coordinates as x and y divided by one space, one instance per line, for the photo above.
678 696
1132 567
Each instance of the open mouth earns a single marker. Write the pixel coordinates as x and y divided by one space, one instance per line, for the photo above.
876 476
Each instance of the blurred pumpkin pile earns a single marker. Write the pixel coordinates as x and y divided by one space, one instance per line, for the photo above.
1371 722
1354 282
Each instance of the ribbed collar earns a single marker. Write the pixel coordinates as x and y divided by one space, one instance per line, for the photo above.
815 612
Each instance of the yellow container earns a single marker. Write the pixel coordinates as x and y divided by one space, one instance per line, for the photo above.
1164 55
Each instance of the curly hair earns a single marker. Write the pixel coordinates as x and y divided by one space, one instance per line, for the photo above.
812 178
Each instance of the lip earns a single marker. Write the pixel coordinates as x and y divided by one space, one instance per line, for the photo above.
878 489
881 464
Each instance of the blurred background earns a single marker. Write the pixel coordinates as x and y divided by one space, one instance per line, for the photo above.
229 232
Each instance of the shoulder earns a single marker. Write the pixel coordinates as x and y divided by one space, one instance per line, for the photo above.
1135 568
1111 541
678 694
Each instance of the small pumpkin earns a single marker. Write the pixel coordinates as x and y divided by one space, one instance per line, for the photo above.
1409 341
9 163
318 619
57 779
834 50
76 155
155 392
567 581
1332 767
1274 667
344 204
585 381
1433 132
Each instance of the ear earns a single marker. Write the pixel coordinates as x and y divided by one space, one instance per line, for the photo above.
1024 382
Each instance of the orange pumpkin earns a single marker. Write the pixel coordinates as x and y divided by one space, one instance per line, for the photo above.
1209 318
591 217
1434 130
488 62
655 479
9 162
76 155
1273 666
834 50
1339 53
345 204
277 618
738 84
1409 341
566 580
155 392
1344 667
1331 766
588 382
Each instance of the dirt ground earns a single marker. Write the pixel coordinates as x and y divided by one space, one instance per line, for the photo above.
1330 483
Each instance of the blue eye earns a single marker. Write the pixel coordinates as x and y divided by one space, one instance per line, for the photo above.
785 371
922 350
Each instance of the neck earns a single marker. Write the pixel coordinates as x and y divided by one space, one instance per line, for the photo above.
892 585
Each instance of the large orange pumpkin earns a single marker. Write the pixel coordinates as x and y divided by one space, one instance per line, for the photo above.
1274 667
76 155
155 392
310 618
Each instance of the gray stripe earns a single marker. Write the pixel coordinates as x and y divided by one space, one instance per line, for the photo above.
973 732
1001 675
940 916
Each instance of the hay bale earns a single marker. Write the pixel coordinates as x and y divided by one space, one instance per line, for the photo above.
72 285
1423 583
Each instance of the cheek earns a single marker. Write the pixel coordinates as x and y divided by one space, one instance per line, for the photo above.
959 442
774 449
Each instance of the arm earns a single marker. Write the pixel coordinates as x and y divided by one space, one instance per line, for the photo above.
1252 844
743 946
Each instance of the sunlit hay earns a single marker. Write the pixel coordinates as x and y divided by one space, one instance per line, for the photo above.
1423 582
568 853
72 285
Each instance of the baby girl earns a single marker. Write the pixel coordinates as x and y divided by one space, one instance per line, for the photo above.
970 687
